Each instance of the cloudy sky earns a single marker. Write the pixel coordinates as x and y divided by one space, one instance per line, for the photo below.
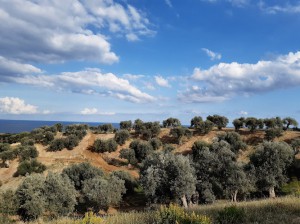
109 60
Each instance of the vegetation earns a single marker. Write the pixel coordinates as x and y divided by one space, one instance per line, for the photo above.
179 168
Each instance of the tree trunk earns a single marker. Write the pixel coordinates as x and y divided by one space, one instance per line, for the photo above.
272 192
234 196
184 201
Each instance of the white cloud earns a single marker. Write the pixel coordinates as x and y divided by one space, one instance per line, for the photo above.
10 68
287 8
169 3
133 77
14 105
226 80
89 81
56 31
239 3
243 113
212 55
162 81
94 111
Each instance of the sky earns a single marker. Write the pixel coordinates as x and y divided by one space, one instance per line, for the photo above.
109 60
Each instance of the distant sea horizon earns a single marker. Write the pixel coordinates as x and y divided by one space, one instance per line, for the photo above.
18 126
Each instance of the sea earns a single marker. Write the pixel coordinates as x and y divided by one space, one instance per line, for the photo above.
18 126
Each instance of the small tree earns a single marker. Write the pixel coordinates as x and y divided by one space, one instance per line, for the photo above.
126 125
71 142
179 133
272 133
56 145
219 121
238 123
100 193
27 152
138 126
60 194
195 120
204 127
234 140
171 122
121 136
78 173
156 143
31 198
251 123
289 121
271 161
128 154
129 182
28 167
6 156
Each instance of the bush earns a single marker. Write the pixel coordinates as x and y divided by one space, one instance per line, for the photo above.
27 152
71 142
81 172
28 167
8 203
231 215
121 136
175 214
130 182
168 148
90 218
273 133
56 145
156 143
101 145
292 188
128 154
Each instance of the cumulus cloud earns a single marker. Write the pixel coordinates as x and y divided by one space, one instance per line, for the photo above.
226 80
212 55
89 81
14 105
56 31
162 81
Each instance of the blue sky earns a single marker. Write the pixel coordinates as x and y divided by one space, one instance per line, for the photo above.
109 60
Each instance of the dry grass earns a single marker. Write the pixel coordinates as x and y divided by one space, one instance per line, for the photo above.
268 211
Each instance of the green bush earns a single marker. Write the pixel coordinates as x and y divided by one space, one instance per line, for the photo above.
101 145
71 142
231 215
121 136
292 187
128 154
28 167
176 215
27 152
57 145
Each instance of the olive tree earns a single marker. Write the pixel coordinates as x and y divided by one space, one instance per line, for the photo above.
179 133
121 136
60 194
195 120
171 122
271 161
219 121
238 123
126 125
165 177
234 139
289 121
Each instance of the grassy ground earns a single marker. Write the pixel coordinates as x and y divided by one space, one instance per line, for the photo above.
269 211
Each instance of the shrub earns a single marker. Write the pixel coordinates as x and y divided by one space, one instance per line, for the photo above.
121 136
130 182
31 198
8 203
292 188
81 172
273 133
90 218
4 147
168 148
71 142
231 215
57 145
101 145
156 143
128 154
27 152
175 214
28 167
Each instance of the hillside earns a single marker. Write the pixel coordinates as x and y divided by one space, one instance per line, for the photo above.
56 161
